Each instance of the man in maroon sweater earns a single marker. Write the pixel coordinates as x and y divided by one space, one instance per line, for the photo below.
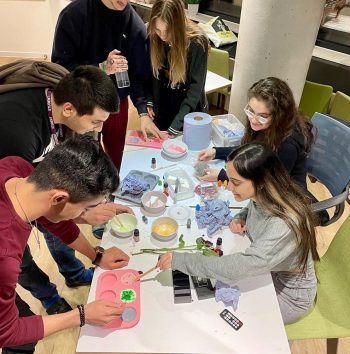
74 177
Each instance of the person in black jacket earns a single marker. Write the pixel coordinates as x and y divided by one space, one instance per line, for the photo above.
179 53
273 119
111 35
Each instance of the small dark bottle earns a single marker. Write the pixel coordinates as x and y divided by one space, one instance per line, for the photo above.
166 188
153 162
218 246
136 235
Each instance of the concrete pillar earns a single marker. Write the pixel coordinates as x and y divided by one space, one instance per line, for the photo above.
276 38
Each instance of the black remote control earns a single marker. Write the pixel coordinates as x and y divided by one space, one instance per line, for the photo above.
231 319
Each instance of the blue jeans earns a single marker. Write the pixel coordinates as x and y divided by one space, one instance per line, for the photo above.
33 279
68 265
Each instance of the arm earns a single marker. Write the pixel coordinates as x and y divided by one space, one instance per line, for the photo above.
261 257
67 40
113 258
17 135
97 313
223 152
288 154
102 213
14 330
70 234
197 73
140 72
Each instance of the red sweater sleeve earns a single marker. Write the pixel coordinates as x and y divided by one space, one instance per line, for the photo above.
15 330
67 231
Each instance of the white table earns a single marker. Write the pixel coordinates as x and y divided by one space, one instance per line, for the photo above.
215 82
186 328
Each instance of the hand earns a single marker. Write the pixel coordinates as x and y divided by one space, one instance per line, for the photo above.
114 258
210 175
165 261
116 62
102 213
120 209
237 226
150 112
147 125
207 155
100 312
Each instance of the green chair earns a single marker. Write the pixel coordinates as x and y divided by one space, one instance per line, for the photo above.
315 98
219 63
330 317
340 107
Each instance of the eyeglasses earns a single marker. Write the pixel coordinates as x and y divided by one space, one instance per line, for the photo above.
251 115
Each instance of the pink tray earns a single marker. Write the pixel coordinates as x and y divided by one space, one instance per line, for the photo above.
135 138
110 286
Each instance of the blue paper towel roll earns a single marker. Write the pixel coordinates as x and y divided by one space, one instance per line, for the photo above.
197 130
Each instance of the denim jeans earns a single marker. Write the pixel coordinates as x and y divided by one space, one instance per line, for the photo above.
68 265
24 311
33 279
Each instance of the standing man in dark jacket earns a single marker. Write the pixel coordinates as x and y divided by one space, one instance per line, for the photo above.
111 35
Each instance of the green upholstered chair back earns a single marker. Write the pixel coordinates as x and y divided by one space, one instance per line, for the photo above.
340 107
315 98
330 316
219 63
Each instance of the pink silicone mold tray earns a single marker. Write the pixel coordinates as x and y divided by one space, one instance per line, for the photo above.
120 286
135 138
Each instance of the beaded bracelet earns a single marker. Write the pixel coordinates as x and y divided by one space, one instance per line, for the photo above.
82 314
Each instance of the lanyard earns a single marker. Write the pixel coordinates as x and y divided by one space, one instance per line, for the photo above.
57 136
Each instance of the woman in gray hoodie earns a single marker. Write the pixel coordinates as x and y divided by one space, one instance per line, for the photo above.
280 225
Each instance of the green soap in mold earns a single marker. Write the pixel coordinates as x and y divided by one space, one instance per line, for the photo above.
128 295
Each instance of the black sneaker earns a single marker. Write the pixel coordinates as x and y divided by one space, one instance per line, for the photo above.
98 230
77 283
61 306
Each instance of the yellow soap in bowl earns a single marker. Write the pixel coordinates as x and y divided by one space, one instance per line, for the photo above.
164 228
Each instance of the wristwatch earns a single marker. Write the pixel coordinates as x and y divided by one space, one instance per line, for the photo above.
99 253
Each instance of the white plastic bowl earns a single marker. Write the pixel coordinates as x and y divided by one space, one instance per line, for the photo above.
129 223
174 148
164 228
154 202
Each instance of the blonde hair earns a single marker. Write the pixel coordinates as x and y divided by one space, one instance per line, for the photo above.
180 33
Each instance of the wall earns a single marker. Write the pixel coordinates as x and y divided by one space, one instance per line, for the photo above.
27 26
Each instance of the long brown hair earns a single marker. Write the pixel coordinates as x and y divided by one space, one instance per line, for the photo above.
278 97
277 194
180 33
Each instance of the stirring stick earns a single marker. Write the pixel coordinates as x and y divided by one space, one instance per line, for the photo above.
162 167
119 222
145 273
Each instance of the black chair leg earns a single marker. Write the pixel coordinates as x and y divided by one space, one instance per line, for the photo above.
332 345
222 107
218 101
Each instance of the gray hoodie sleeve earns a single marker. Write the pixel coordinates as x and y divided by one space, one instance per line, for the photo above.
274 251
